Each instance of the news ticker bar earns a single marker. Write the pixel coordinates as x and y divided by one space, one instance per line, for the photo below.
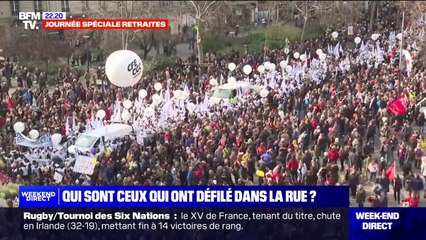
241 223
181 197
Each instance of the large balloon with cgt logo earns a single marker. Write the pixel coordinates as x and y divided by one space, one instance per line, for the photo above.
124 68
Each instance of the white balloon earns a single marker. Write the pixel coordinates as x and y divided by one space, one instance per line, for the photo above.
272 66
399 36
318 51
296 55
335 35
158 86
142 93
247 69
213 82
357 40
101 114
127 104
264 93
323 56
191 107
302 57
178 94
125 115
124 68
56 139
232 81
34 134
149 112
283 64
286 50
156 99
231 66
288 68
19 127
375 36
261 69
267 65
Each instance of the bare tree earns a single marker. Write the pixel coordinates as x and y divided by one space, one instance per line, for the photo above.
124 10
310 9
273 8
144 40
37 46
203 12
343 13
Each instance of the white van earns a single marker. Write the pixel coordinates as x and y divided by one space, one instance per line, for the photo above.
99 136
226 91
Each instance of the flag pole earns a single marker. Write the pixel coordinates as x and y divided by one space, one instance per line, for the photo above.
400 53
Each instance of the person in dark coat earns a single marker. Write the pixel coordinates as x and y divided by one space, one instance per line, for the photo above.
384 182
353 183
418 185
397 186
421 121
361 195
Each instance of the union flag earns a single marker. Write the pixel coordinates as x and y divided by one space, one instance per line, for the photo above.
397 107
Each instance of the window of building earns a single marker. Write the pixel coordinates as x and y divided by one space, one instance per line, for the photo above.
14 7
38 6
65 4
102 4
85 4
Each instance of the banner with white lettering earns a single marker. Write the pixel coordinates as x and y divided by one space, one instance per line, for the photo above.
43 141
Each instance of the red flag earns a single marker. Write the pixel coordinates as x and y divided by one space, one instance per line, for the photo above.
397 107
390 173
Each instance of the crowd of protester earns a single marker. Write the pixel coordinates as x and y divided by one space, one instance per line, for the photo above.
338 131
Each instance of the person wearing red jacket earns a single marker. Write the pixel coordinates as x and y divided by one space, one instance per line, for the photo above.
293 165
333 154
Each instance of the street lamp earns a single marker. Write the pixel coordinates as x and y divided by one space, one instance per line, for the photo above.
86 37
400 52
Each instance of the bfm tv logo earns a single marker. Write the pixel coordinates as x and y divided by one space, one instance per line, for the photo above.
135 68
29 19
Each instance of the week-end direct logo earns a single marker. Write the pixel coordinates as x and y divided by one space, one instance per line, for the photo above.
135 68
39 196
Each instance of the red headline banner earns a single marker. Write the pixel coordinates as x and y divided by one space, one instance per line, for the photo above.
106 24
